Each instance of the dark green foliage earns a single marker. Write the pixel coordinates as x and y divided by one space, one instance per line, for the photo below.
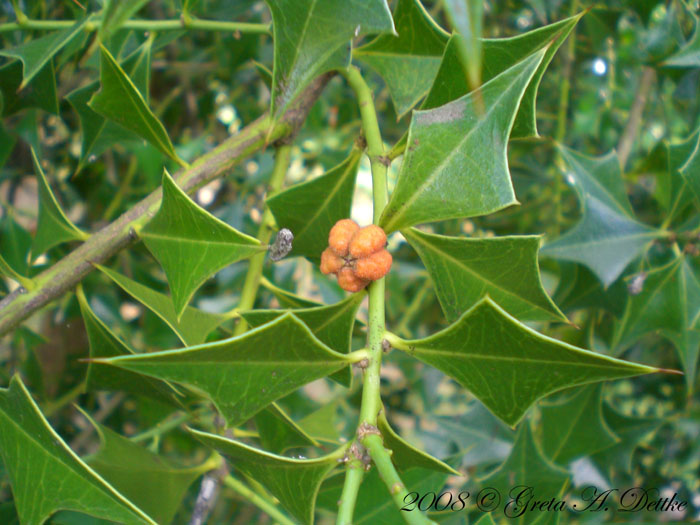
536 166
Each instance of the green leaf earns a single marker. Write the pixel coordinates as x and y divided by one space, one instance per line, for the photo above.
332 325
152 482
115 13
287 298
466 269
39 93
182 231
104 343
242 375
98 133
279 432
407 62
53 227
525 468
679 184
34 453
15 243
9 271
575 427
689 54
690 170
404 455
35 54
608 237
631 430
322 423
120 101
500 54
507 365
486 519
193 326
579 288
480 436
455 165
668 304
468 19
310 209
294 482
312 37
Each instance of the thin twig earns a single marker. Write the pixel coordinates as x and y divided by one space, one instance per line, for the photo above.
629 135
208 493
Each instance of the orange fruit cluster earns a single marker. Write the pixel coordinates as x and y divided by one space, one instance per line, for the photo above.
356 255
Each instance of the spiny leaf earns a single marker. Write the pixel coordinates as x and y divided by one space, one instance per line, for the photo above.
191 244
97 132
36 53
690 171
509 366
33 452
322 423
631 430
455 164
332 324
404 455
279 432
407 62
608 237
287 298
53 227
668 304
39 93
480 437
281 475
312 37
466 269
527 469
151 481
9 271
120 101
15 243
244 374
193 326
689 54
104 343
575 427
498 55
579 288
310 209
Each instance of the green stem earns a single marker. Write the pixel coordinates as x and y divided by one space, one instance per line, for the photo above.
257 500
354 472
382 459
162 428
185 22
371 396
255 267
50 408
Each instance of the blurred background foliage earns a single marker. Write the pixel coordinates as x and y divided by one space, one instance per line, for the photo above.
205 86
